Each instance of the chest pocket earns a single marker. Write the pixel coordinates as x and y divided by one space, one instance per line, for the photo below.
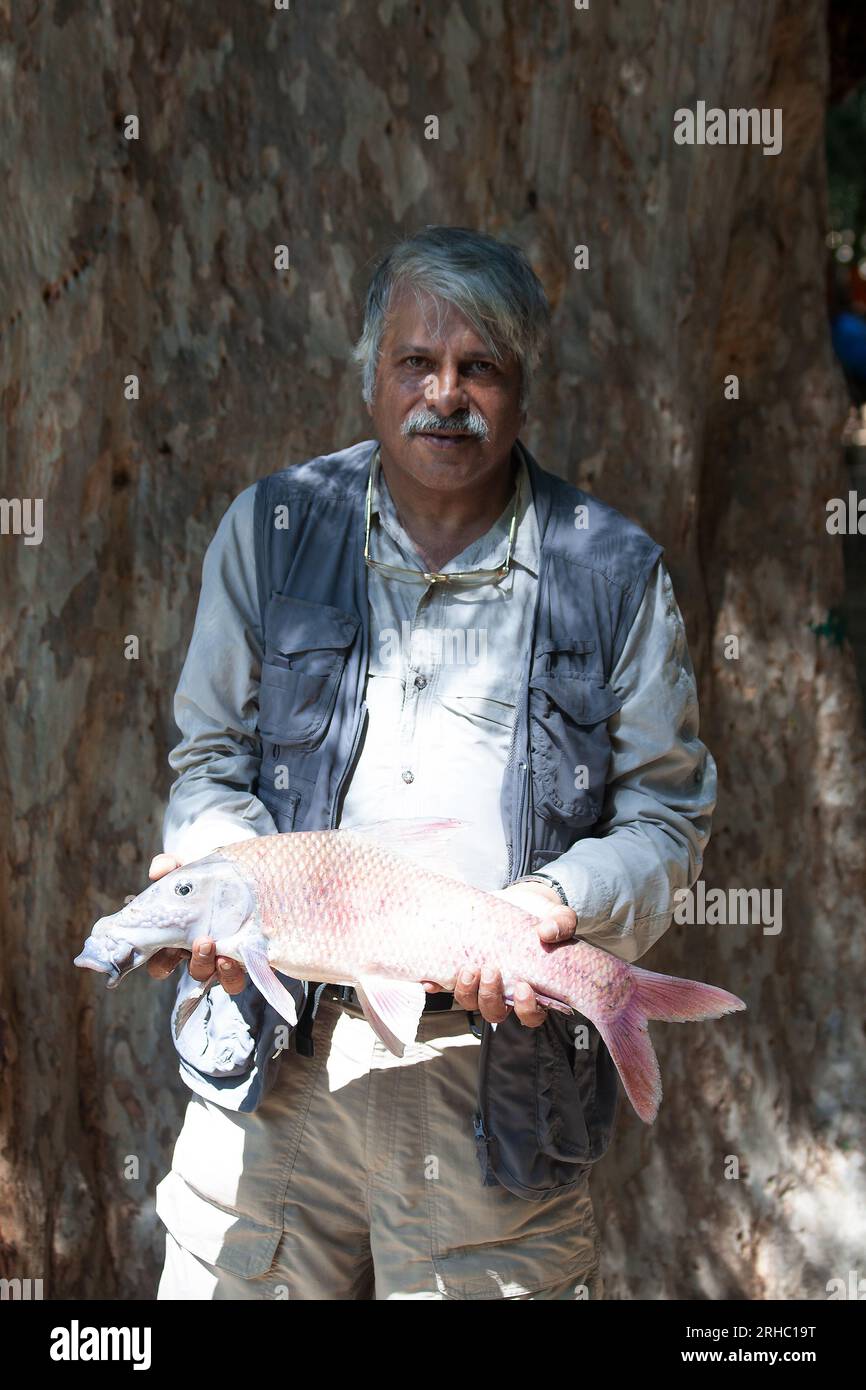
305 654
570 703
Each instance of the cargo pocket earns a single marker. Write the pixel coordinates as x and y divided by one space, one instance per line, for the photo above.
224 1196
305 655
569 706
215 1234
486 1240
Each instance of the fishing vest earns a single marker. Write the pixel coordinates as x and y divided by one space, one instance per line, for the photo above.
545 1108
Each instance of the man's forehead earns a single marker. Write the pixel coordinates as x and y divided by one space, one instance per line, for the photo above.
432 319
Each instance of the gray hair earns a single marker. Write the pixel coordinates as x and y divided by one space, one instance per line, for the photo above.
489 281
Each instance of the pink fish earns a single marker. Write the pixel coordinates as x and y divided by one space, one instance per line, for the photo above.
360 907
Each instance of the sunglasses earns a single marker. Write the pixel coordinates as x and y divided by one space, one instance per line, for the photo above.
464 578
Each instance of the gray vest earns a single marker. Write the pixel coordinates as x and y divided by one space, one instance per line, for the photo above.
544 1109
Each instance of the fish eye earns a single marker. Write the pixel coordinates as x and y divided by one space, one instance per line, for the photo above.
183 889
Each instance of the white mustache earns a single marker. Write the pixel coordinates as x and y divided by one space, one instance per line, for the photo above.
469 422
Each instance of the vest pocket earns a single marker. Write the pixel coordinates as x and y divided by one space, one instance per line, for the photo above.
283 805
569 742
305 655
561 1127
294 708
576 1092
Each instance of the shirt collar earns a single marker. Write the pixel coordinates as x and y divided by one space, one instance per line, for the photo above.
485 552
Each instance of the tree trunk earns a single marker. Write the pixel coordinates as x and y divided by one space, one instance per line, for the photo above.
154 257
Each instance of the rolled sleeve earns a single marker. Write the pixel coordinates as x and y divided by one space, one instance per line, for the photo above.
661 790
217 759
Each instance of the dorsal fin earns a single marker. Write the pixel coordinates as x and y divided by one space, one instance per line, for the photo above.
424 839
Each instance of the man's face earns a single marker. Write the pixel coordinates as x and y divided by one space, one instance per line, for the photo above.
437 380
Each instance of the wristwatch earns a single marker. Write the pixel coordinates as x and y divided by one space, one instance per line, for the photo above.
550 881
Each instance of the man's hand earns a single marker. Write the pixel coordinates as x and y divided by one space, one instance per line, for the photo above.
482 992
233 977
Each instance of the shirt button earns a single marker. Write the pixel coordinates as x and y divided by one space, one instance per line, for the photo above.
408 776
420 682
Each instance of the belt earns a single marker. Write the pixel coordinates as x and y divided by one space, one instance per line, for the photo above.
345 994
441 1000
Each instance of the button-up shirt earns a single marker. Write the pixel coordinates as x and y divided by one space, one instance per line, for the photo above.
442 684
442 689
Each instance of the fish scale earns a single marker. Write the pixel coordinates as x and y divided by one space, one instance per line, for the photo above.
354 907
348 905
358 907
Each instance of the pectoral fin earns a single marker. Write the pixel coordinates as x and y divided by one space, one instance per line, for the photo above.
392 1009
261 973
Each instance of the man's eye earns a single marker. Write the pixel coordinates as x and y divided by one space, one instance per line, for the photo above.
486 367
415 361
183 889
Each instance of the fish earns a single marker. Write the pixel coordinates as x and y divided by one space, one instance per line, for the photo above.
370 907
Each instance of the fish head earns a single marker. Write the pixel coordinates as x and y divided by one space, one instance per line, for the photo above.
209 897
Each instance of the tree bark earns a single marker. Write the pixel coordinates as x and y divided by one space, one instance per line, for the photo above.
155 257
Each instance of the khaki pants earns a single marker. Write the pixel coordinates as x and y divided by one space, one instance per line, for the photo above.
357 1179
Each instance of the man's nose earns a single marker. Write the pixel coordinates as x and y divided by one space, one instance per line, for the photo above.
446 390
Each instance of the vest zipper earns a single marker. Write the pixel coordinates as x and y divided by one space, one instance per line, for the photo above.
337 806
523 774
523 781
521 725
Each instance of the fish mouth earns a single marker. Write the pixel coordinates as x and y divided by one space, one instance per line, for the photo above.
116 964
123 966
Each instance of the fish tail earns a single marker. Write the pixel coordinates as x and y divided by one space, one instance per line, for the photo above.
670 1000
628 1041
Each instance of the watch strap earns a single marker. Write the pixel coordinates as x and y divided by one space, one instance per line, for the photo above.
550 881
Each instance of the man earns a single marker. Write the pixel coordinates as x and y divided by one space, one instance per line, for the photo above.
426 624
